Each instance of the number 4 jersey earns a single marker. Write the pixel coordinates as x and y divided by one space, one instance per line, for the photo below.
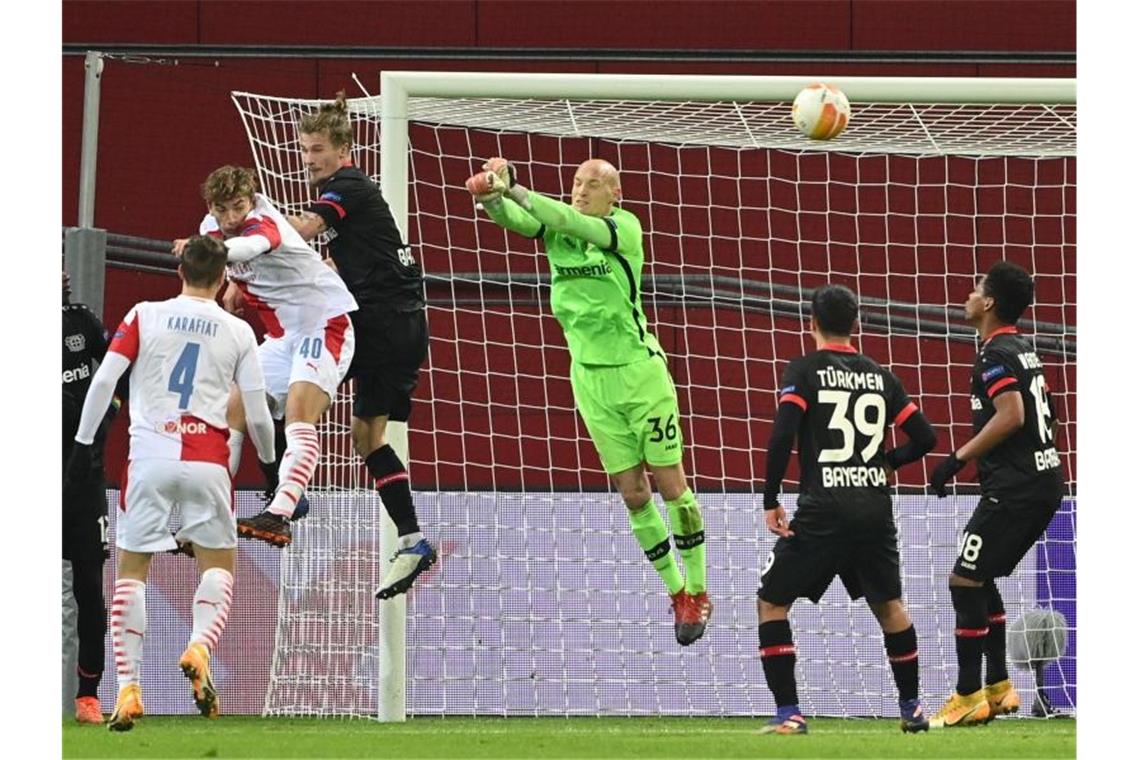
186 353
848 401
1028 459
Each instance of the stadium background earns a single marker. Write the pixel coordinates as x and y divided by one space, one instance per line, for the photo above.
167 120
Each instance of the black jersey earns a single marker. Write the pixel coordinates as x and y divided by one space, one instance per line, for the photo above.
848 401
84 346
366 245
1028 459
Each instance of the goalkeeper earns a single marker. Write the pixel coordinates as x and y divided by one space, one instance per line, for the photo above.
618 371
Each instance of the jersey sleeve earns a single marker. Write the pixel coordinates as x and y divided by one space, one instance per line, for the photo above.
994 373
209 226
125 341
625 230
248 374
899 404
340 197
257 224
793 386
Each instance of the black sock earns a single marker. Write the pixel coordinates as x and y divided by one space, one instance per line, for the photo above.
91 623
969 635
88 683
995 641
394 487
778 656
902 653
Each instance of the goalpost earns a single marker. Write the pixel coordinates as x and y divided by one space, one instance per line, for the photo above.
542 602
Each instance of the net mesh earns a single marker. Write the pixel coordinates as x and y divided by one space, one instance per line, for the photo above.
542 602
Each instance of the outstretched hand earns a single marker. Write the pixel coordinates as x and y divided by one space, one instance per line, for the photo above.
178 246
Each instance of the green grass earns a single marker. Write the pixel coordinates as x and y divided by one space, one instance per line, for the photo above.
643 738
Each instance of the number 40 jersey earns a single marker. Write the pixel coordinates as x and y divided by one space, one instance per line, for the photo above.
848 401
186 352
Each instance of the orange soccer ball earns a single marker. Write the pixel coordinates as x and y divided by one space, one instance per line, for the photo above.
821 111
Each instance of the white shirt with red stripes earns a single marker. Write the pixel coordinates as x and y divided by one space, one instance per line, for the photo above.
185 353
289 286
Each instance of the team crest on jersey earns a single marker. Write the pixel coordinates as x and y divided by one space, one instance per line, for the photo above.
75 343
992 372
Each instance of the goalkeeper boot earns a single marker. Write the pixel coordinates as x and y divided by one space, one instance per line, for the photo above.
128 708
88 710
913 719
1003 698
788 721
267 527
963 710
691 615
195 664
407 564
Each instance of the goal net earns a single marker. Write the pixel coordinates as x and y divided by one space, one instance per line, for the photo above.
543 603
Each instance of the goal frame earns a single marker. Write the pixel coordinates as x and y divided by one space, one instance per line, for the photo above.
397 87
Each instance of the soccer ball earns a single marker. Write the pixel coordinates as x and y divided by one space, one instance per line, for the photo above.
821 111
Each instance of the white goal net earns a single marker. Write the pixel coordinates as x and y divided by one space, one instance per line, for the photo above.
542 602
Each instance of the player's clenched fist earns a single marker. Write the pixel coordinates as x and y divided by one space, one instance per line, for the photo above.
486 186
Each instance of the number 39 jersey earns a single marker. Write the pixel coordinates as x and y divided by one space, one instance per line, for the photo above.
186 353
1028 459
848 401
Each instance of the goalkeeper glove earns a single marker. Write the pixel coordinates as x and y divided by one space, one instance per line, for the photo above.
269 470
944 473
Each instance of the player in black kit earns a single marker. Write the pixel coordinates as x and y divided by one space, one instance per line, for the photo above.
839 404
1020 474
369 252
85 500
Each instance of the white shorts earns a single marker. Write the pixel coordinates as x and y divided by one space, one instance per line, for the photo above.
155 487
321 356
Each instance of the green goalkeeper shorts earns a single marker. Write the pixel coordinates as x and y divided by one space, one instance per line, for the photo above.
631 412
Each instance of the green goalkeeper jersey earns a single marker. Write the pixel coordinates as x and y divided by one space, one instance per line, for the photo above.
595 291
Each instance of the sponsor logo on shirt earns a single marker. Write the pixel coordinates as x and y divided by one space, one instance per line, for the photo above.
594 270
79 373
75 343
178 427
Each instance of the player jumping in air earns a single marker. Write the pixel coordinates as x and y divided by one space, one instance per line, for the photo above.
184 354
308 341
1020 473
618 372
839 403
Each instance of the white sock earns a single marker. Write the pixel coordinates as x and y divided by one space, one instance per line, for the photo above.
128 627
212 606
237 438
302 451
408 541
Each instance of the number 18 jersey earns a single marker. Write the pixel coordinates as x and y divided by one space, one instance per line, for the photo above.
185 352
848 401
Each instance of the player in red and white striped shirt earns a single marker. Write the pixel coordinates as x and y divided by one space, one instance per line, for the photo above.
309 340
184 354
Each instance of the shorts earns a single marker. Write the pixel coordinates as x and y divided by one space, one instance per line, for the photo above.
631 413
1000 533
391 347
804 566
320 356
85 522
200 491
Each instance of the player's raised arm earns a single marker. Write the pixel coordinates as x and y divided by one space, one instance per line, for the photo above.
488 188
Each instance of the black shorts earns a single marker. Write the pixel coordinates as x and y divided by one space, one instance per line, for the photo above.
804 566
1001 532
85 522
390 348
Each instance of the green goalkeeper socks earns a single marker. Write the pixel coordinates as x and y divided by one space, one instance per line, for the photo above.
653 537
689 535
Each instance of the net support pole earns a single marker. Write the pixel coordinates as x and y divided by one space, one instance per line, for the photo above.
93 64
392 701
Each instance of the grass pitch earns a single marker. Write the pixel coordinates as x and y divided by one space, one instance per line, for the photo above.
240 736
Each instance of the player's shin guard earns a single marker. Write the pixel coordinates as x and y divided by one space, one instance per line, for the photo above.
778 656
302 450
211 606
237 438
395 489
689 535
653 537
902 653
128 627
970 634
996 670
